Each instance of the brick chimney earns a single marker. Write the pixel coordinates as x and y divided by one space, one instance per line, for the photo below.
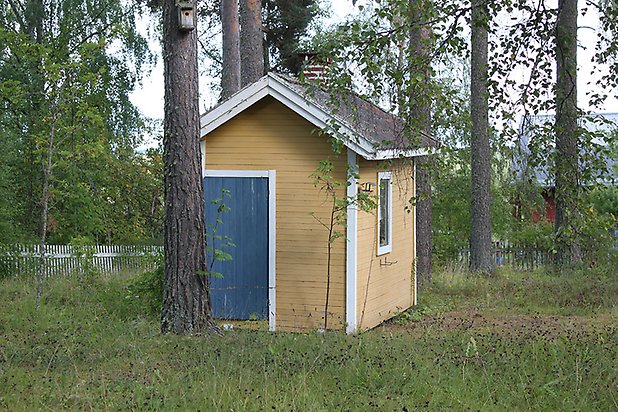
314 65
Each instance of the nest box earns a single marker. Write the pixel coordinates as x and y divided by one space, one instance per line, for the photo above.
186 16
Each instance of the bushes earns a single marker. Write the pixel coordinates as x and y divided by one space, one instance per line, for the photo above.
147 289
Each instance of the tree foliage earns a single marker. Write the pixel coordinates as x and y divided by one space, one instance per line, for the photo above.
66 70
365 53
285 23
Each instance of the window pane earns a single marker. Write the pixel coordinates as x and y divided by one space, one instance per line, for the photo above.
384 209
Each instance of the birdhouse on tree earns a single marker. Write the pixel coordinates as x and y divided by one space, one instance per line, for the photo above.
186 16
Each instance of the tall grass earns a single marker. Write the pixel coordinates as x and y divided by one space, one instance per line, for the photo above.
515 292
92 346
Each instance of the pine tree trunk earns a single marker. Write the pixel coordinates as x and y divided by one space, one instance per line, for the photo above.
186 303
230 78
251 39
424 217
480 233
420 113
567 185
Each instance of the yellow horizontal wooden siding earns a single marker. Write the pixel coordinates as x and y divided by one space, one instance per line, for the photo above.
269 136
385 290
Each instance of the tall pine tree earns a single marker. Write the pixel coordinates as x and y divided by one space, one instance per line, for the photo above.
480 233
186 303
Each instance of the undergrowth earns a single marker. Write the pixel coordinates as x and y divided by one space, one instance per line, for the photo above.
92 346
515 292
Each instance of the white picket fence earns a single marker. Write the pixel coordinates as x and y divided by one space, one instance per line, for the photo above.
70 259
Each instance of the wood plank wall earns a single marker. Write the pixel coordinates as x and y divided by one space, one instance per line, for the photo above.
270 136
385 290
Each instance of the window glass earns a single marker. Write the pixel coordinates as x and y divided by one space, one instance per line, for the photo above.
385 212
384 216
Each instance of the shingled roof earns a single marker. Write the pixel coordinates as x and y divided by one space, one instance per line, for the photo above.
363 126
378 126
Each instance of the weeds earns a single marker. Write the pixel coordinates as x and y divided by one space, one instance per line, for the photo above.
513 292
92 348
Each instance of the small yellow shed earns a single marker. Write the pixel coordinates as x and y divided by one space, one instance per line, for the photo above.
260 148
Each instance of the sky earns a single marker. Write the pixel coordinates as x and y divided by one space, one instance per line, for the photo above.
148 97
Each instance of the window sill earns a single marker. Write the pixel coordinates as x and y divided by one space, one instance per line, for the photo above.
383 250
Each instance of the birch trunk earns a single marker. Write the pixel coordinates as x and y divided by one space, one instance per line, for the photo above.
47 171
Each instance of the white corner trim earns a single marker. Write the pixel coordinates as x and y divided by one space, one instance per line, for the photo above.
414 245
272 250
203 158
351 245
271 175
388 247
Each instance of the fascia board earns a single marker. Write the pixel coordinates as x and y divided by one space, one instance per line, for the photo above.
386 154
235 105
271 85
319 117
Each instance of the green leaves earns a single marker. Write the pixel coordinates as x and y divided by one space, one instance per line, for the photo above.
66 69
216 244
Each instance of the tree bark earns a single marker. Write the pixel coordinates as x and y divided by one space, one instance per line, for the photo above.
251 42
186 304
567 184
480 233
424 217
420 113
230 79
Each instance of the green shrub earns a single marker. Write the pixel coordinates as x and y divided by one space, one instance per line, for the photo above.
147 288
84 251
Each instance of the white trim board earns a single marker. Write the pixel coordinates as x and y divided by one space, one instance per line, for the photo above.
273 85
237 173
271 175
414 245
351 245
382 250
272 250
203 158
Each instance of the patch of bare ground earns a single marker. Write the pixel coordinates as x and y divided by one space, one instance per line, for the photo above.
508 325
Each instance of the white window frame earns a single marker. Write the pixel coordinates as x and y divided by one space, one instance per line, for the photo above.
389 224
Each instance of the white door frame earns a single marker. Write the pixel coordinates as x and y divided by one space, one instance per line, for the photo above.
272 227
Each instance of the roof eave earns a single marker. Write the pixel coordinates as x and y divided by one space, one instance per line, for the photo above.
270 85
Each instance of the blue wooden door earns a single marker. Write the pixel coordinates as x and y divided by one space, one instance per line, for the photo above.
242 292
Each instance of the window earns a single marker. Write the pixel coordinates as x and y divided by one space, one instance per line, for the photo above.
385 213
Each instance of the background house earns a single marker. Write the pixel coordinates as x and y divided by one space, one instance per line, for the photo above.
603 131
262 145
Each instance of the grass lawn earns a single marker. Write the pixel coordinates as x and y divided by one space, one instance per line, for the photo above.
514 342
